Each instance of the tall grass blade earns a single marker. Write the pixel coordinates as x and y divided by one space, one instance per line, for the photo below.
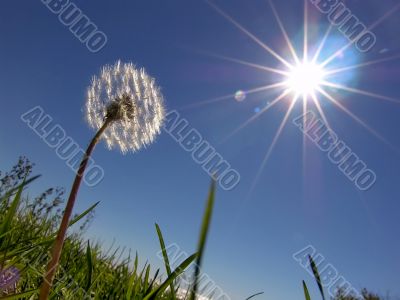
12 210
82 215
166 260
23 184
90 266
254 295
178 271
131 284
203 237
316 275
146 278
306 293
152 282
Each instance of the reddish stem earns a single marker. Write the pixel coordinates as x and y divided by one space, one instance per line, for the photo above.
59 242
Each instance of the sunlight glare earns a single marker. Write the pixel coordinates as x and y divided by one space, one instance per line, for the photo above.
305 78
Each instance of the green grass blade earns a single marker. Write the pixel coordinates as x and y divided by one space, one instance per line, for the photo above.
166 260
23 184
136 263
130 286
20 296
12 211
306 293
254 295
316 275
132 278
203 237
82 215
152 282
146 278
178 271
143 270
6 233
90 266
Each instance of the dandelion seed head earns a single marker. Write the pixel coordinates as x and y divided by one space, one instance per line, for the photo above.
130 99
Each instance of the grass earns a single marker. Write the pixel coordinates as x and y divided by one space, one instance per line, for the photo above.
87 271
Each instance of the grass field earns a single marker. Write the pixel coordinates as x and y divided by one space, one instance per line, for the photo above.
87 271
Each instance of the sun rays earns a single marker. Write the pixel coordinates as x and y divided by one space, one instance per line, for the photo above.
305 77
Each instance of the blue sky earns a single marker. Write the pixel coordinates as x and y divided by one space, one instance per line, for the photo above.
293 205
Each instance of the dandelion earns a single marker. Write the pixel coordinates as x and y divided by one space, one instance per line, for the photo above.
133 103
126 108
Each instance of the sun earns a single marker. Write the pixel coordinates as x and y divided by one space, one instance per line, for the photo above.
305 78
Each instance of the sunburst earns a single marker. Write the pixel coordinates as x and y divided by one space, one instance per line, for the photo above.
305 78
302 77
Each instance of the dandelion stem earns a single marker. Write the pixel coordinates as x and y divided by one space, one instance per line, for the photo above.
59 242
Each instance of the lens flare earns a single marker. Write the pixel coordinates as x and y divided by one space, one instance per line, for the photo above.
240 96
305 78
307 75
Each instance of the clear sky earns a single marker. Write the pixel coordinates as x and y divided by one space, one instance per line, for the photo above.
297 201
